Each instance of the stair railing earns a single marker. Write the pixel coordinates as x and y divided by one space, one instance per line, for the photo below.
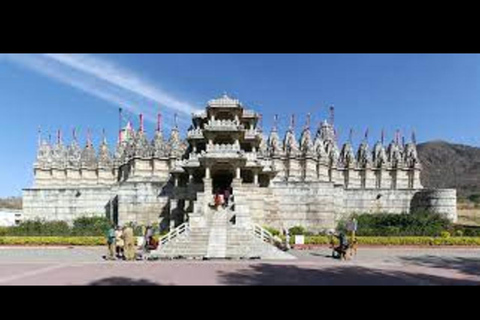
181 229
262 234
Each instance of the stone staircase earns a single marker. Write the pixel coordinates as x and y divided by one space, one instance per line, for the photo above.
219 239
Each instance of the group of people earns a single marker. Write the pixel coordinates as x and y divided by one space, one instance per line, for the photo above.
221 199
121 242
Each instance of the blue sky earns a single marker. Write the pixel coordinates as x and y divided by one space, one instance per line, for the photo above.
437 95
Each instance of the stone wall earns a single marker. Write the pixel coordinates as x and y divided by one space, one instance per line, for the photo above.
66 204
318 206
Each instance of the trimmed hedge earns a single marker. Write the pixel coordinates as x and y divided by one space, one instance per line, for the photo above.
46 241
309 240
386 241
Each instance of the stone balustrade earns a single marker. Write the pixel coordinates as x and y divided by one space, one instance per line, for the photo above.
223 148
249 113
195 134
251 134
223 125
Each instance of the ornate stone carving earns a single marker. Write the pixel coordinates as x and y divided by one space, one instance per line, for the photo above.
89 158
379 155
347 156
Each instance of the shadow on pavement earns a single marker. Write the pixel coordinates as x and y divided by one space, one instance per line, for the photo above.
470 266
122 281
266 274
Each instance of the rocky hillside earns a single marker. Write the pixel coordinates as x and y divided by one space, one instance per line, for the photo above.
447 165
11 203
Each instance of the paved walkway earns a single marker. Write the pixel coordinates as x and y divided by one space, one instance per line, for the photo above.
372 266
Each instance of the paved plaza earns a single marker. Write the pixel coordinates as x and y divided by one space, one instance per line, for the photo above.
372 266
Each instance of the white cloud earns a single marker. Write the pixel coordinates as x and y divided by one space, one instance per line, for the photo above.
109 87
126 79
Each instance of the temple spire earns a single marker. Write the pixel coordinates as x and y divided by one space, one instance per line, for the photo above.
275 122
350 136
141 122
89 137
39 134
59 136
414 138
175 120
366 134
292 122
382 139
74 134
159 122
332 115
307 124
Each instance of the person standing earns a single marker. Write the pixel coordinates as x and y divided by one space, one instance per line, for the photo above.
111 243
119 243
129 243
148 238
227 197
287 238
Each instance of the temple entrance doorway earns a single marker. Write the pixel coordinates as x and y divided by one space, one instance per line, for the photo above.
221 181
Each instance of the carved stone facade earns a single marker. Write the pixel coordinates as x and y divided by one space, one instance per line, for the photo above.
310 181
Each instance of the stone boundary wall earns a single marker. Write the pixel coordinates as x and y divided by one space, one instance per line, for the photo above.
142 203
442 201
318 206
66 204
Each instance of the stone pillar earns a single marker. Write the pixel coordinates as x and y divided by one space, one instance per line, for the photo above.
386 179
416 179
402 178
207 172
310 170
173 209
175 179
238 173
255 178
322 172
369 178
279 165
354 178
294 172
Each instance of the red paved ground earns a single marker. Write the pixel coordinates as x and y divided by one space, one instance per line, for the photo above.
371 267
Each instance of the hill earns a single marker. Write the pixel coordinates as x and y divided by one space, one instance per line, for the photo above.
447 165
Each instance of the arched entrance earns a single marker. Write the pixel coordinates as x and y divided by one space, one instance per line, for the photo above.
222 180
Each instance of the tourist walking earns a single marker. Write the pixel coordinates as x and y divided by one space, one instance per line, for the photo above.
227 197
111 243
119 243
129 243
148 238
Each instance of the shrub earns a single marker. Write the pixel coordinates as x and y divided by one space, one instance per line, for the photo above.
39 228
414 224
273 231
445 234
90 226
297 230
474 198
